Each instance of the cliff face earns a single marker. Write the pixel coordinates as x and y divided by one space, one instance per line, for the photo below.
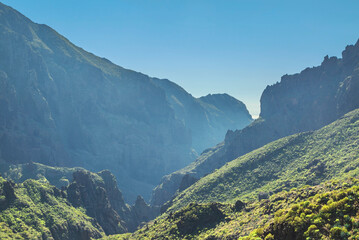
63 106
300 102
88 191
99 195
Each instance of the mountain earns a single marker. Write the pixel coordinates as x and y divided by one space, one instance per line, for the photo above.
208 117
301 102
63 106
267 191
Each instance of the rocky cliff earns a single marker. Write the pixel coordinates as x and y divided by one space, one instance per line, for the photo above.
301 102
63 106
99 195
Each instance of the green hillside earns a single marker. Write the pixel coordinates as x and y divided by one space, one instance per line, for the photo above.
329 210
36 210
302 159
329 215
247 193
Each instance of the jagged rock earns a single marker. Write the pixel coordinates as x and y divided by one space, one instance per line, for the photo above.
143 212
88 190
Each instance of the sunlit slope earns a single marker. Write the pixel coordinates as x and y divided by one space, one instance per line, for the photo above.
325 211
306 158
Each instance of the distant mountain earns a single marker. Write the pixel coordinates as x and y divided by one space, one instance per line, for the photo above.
209 117
301 102
63 106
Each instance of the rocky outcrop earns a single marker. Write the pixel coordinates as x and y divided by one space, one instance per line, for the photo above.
88 190
63 106
143 212
301 102
99 195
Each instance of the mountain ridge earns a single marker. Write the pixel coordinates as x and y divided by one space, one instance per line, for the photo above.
301 102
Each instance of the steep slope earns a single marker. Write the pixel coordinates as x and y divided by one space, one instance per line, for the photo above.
325 211
63 106
301 102
35 210
209 117
297 160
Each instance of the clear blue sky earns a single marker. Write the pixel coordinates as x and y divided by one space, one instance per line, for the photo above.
206 46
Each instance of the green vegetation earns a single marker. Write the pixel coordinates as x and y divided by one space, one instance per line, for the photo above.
302 159
329 207
329 215
36 210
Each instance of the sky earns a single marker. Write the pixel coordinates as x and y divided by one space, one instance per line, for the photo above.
205 46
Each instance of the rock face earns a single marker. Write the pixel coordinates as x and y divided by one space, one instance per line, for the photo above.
99 195
301 102
89 191
63 106
142 212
